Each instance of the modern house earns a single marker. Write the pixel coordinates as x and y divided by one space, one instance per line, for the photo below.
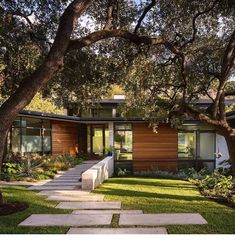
136 146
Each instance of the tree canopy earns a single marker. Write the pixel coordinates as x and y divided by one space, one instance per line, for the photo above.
166 55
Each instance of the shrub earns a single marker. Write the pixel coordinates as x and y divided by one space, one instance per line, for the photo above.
184 174
34 166
123 173
10 171
216 186
43 175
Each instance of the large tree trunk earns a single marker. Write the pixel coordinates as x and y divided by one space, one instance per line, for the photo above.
32 84
230 140
1 198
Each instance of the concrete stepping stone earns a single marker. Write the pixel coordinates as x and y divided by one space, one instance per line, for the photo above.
159 230
65 192
64 181
66 220
161 219
67 178
89 198
43 187
89 205
107 211
63 184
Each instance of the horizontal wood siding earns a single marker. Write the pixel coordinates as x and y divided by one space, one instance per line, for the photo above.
64 137
154 150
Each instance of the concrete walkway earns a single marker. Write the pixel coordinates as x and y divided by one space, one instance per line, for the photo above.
90 210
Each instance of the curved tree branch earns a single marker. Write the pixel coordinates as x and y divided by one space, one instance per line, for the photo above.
146 10
103 34
194 28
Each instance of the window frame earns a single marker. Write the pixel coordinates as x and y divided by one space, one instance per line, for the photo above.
41 129
123 130
197 161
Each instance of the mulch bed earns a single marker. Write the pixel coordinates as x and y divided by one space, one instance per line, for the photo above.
13 207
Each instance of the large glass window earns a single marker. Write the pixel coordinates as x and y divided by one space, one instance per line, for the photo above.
97 141
187 145
196 148
31 140
207 146
31 135
103 112
123 141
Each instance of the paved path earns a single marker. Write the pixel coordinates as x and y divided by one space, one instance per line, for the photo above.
90 210
68 180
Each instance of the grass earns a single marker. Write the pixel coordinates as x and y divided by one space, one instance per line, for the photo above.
149 194
37 204
170 196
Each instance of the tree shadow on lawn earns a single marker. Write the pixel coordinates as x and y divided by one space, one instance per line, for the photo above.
166 183
144 194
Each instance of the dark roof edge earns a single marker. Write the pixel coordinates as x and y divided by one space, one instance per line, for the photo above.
60 117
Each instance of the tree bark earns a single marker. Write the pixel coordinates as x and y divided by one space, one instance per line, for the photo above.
230 140
1 198
31 85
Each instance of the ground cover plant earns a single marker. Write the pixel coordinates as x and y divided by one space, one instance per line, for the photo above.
35 167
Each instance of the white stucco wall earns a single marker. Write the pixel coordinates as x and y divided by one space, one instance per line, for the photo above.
221 149
98 173
111 134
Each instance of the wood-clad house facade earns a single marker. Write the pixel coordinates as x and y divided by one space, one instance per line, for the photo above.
154 150
134 144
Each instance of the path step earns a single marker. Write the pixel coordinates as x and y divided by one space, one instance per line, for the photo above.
43 187
65 192
161 219
159 230
90 198
89 205
64 181
107 211
52 183
67 178
66 220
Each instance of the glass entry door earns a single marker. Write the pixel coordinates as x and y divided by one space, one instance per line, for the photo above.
97 139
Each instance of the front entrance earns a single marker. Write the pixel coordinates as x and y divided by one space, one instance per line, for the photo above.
97 139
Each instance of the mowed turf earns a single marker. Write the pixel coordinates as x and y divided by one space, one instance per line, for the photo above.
151 195
37 204
170 196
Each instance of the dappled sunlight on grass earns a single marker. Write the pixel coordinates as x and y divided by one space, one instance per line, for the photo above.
37 204
170 196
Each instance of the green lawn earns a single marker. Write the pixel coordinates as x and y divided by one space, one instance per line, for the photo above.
170 196
151 195
8 224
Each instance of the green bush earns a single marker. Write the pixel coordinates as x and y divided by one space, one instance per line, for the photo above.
10 171
123 172
35 167
184 174
216 186
43 175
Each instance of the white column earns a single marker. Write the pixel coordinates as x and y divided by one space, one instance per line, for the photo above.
111 134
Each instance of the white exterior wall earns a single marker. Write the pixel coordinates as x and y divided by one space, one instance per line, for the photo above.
221 150
111 134
98 173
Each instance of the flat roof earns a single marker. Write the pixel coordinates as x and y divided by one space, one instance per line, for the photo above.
60 117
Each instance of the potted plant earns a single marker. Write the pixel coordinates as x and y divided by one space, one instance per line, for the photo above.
109 150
